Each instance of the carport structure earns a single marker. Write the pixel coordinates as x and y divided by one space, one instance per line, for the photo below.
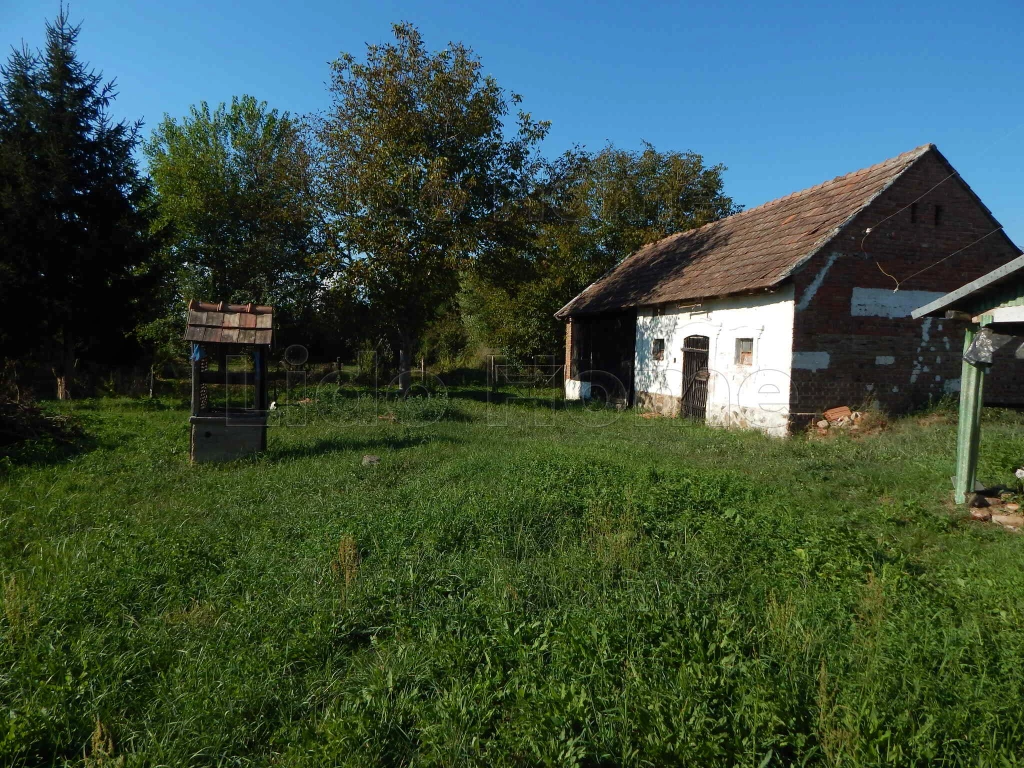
993 308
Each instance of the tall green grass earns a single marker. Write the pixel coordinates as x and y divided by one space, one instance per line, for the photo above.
512 585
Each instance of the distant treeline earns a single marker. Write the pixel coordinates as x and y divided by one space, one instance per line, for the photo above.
416 215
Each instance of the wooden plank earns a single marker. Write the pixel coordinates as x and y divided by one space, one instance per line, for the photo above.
965 317
1006 315
985 281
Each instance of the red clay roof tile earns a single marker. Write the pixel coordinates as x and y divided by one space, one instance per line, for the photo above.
220 323
751 250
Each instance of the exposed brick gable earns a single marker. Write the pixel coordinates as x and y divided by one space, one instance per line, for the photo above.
924 354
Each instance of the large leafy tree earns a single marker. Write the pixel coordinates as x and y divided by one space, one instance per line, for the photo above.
422 176
598 208
235 188
74 216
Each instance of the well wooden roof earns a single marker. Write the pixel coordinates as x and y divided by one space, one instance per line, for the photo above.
220 323
978 295
748 251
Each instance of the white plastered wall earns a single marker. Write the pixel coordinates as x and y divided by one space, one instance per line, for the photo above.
755 395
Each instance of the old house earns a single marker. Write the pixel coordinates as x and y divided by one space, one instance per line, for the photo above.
772 315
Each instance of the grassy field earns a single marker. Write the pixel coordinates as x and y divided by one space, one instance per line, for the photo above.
511 585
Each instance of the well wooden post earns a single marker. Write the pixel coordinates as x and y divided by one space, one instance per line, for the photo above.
972 382
196 379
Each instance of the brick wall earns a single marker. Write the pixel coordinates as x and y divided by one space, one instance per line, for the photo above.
899 362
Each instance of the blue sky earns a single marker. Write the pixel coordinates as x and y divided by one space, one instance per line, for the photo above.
785 94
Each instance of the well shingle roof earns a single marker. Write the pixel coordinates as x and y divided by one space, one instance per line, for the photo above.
751 250
220 323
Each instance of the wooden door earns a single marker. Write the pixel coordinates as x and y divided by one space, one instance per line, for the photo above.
695 377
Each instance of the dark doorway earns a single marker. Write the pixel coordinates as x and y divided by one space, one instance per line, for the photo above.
603 355
695 377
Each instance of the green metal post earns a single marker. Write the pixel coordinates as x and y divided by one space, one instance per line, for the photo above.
972 381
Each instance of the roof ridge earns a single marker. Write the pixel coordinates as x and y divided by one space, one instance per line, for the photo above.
828 208
908 156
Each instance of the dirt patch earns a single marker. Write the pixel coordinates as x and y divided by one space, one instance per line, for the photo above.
936 417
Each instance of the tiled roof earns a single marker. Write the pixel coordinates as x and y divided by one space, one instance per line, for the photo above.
222 323
751 250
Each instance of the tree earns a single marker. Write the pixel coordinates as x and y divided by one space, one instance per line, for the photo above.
236 198
420 177
75 253
599 209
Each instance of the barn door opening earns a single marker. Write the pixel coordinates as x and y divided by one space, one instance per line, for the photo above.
695 377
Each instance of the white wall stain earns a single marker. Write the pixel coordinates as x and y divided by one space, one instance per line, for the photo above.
819 278
926 327
811 361
881 302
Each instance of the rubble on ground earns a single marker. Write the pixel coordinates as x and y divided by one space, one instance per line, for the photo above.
842 417
996 505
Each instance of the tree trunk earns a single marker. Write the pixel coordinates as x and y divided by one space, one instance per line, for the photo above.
404 363
66 367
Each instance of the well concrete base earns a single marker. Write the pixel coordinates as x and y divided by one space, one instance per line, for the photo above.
226 438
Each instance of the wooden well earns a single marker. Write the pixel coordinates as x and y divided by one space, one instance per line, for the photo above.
230 344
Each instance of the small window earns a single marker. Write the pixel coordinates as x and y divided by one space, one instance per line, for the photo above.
658 349
913 213
938 215
744 351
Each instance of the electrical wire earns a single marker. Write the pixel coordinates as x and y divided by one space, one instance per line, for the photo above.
944 258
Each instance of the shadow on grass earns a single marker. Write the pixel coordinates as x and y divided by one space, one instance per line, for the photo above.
47 440
331 445
555 402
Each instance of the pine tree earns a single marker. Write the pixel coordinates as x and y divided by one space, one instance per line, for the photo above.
75 247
